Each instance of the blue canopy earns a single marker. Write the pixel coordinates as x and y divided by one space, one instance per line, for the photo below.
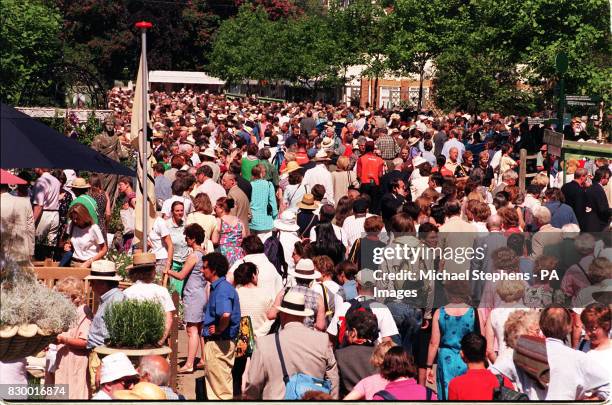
28 143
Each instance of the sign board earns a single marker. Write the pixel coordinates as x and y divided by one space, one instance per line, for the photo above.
536 120
582 100
554 140
561 62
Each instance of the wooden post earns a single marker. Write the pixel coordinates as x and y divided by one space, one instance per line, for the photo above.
522 169
173 338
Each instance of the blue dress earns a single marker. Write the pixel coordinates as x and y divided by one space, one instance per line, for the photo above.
194 297
450 365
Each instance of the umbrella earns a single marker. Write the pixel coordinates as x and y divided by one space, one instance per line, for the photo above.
10 178
28 143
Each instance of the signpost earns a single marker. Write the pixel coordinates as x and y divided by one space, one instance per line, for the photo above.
554 140
582 100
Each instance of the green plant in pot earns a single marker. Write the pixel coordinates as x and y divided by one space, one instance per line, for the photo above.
135 324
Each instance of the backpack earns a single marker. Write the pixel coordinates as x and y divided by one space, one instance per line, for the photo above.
278 159
387 396
275 253
356 305
502 393
299 383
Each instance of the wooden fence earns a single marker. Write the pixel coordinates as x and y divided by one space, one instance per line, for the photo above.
523 175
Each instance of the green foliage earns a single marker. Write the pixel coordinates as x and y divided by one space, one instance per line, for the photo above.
252 46
86 131
121 259
134 324
29 47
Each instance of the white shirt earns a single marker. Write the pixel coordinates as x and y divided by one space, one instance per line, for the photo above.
572 373
386 324
287 240
46 192
167 206
496 159
268 277
158 232
320 175
354 228
453 143
337 230
504 364
418 185
214 190
498 318
531 202
86 241
150 291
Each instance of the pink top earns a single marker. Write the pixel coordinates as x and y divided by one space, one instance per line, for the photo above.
369 386
407 390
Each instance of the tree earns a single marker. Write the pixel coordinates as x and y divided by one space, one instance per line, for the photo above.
100 35
28 47
422 29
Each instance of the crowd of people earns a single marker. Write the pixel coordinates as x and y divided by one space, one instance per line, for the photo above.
273 211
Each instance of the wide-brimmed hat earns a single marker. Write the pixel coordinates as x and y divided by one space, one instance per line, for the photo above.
80 182
305 269
413 140
140 260
210 152
321 156
115 367
364 277
103 270
287 222
291 167
294 303
417 161
327 142
308 202
141 391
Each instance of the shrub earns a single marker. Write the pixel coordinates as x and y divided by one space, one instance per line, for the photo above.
23 300
135 324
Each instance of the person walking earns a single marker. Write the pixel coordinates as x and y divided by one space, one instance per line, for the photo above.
263 202
220 327
229 231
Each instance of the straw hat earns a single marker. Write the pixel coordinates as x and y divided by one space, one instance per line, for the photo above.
413 140
209 152
80 182
294 303
308 202
287 222
103 270
115 367
305 269
142 390
417 161
291 167
327 142
140 260
321 156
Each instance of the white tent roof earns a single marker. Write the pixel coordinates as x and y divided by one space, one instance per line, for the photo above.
171 76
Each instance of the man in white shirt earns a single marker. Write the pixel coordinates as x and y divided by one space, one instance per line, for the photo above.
572 376
532 200
116 373
320 175
160 244
207 185
365 293
45 202
353 226
452 142
142 273
267 277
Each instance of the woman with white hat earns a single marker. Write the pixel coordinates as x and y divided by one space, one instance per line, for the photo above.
304 275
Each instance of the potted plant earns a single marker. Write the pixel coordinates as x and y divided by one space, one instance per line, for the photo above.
134 328
31 314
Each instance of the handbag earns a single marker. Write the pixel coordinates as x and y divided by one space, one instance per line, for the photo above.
299 383
502 393
245 342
